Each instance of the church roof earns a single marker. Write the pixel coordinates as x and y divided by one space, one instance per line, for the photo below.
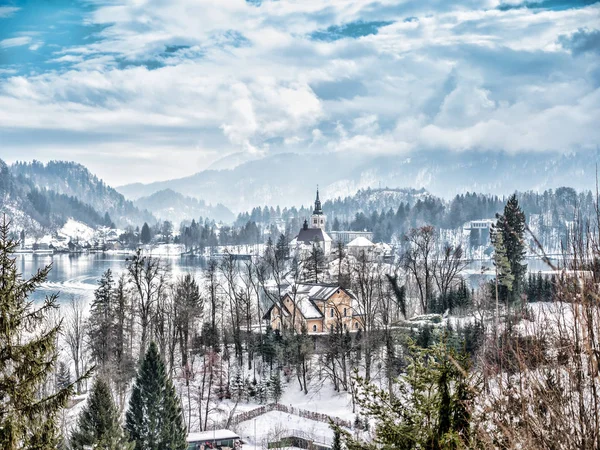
318 209
309 235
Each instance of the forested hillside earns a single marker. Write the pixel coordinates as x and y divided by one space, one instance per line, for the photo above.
32 208
175 207
75 180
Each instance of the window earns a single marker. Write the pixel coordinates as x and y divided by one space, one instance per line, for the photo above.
331 312
314 328
315 221
345 312
331 328
356 325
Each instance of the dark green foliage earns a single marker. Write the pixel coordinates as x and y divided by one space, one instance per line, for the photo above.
27 358
145 235
98 424
399 292
101 323
511 224
275 388
63 376
337 441
154 419
539 288
456 297
431 409
314 263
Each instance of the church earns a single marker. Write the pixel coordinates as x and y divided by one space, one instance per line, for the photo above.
313 233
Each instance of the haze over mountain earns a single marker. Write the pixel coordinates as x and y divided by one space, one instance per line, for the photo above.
175 207
290 179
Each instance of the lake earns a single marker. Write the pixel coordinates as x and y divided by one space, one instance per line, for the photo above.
78 274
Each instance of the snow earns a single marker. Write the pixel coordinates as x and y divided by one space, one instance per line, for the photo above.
276 425
360 241
77 230
212 435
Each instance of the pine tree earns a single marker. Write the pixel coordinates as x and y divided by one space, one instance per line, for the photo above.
275 387
101 323
63 376
337 442
512 226
145 234
27 418
154 419
504 275
98 424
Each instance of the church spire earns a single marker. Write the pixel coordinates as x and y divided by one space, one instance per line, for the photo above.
318 208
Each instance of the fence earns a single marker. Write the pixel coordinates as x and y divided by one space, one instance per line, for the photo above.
253 413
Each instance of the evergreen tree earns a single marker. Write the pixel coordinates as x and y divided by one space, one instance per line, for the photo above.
154 419
101 323
337 441
504 276
63 376
27 358
512 226
275 388
98 424
145 236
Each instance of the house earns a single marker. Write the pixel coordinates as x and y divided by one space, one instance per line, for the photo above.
213 439
313 233
359 246
319 307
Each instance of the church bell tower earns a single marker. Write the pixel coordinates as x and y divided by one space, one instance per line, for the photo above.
317 219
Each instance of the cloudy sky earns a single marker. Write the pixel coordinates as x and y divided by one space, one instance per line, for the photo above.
144 90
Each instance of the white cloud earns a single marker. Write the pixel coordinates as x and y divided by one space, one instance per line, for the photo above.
7 11
243 78
15 42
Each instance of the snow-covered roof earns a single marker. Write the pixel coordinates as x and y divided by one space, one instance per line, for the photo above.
307 307
217 435
360 242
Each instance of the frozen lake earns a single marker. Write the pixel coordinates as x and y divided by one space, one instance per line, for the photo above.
78 274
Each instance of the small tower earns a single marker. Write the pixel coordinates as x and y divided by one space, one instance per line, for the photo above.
317 220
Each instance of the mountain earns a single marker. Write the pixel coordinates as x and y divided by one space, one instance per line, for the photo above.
72 179
175 207
290 178
36 210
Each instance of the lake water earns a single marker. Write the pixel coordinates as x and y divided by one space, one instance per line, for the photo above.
78 274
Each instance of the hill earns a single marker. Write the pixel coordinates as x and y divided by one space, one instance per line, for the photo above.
37 209
175 207
74 180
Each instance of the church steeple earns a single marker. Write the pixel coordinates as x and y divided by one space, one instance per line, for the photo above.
317 219
318 208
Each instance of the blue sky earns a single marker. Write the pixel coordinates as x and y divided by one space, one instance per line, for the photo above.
143 90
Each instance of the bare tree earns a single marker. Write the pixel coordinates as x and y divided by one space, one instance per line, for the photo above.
447 267
148 277
418 261
74 333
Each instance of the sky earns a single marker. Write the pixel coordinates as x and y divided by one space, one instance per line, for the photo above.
145 90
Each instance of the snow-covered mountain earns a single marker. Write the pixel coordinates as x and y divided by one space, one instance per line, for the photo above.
75 180
290 178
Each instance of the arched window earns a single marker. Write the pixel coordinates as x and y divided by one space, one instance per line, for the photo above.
345 312
314 328
331 312
356 325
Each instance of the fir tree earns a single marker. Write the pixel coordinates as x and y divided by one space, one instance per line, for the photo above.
337 441
98 424
275 388
63 376
27 418
512 226
154 419
145 235
101 322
